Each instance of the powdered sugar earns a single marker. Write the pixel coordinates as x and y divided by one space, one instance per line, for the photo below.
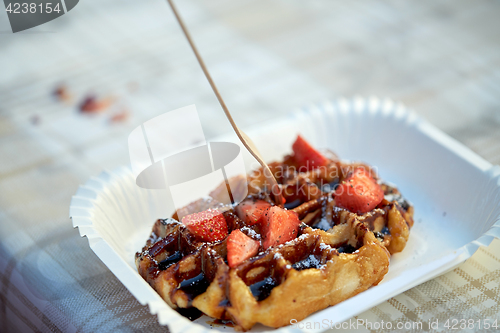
294 241
250 232
323 246
323 224
310 262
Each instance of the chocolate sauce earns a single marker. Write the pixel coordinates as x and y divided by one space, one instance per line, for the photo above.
262 289
346 249
161 246
403 203
170 260
337 214
370 218
311 261
225 303
399 199
220 322
331 186
232 220
194 286
190 313
313 206
293 204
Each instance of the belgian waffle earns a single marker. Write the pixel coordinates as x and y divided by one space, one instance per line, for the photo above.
335 255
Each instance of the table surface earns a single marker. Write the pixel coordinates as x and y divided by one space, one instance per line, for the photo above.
440 58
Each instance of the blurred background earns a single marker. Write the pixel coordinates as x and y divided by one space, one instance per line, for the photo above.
71 91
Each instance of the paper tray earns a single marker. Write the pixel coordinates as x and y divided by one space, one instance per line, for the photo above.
455 192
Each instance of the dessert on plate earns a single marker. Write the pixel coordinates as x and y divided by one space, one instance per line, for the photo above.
329 238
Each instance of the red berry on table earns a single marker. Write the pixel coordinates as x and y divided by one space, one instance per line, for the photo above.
278 226
306 156
359 192
209 225
250 210
240 247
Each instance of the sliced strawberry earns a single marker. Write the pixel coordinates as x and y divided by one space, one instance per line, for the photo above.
306 156
209 225
240 247
250 210
359 192
278 226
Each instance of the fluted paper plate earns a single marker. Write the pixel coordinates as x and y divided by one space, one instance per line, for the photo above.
455 192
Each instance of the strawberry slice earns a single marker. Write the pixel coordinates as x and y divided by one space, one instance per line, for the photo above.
240 247
278 226
250 210
209 225
306 156
359 192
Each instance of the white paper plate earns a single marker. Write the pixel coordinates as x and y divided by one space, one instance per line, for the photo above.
455 192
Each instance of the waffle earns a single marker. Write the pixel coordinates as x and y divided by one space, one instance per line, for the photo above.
335 255
185 272
310 195
310 273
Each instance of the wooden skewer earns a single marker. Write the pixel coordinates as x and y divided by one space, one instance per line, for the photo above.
247 142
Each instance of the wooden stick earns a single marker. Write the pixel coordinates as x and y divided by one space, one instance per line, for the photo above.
243 138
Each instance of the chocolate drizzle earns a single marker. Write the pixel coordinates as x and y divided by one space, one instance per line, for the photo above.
194 286
190 313
346 249
170 260
262 289
293 204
